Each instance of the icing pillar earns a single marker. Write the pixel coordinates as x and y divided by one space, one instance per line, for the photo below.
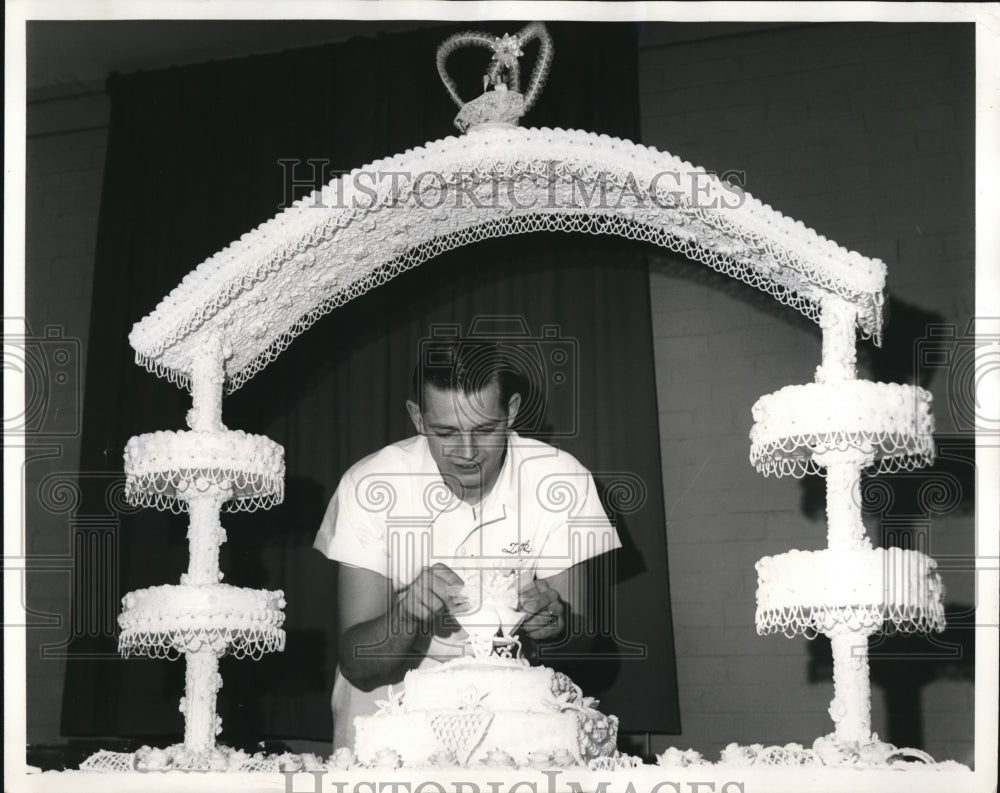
851 705
840 355
205 535
202 682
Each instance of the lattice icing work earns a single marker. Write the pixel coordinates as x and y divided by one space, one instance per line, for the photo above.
166 469
812 592
363 229
164 621
794 425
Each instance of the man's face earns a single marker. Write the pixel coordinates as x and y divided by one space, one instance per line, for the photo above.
467 436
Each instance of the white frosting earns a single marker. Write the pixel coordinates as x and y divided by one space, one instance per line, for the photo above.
166 469
482 711
823 591
165 620
891 422
263 290
496 683
218 758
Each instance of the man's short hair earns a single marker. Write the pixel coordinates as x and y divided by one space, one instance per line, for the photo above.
466 366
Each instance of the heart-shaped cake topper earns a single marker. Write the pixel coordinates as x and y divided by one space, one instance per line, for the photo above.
501 101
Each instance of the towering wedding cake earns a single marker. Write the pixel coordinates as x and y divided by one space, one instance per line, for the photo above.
201 471
840 427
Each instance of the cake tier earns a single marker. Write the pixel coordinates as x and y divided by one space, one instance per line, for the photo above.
891 422
165 621
478 736
814 592
473 711
494 683
166 469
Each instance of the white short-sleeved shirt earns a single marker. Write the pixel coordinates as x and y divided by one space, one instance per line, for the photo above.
392 513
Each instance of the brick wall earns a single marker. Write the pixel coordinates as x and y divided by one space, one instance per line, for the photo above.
865 133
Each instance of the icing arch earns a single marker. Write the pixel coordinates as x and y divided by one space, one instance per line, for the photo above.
366 227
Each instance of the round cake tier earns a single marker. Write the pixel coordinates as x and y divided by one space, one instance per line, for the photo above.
165 469
478 711
499 683
165 621
890 421
812 592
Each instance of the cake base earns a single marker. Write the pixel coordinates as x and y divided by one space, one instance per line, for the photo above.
497 712
916 778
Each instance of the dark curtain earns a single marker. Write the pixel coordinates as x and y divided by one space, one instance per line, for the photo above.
193 162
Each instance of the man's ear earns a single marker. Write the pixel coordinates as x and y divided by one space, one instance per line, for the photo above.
414 410
513 405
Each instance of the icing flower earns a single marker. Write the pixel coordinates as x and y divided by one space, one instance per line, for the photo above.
829 751
387 758
497 758
149 759
342 759
237 758
392 704
181 757
737 755
675 757
563 759
540 759
876 752
312 762
289 762
443 758
218 761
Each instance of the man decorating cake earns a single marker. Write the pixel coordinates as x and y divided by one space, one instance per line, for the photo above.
463 532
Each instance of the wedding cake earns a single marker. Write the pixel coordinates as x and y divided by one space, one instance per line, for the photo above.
492 711
489 706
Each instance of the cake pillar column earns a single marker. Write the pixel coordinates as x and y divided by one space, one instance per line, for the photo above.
851 705
837 320
850 708
207 378
201 687
205 535
205 532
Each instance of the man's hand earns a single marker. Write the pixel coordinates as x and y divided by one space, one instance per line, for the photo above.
546 612
430 593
